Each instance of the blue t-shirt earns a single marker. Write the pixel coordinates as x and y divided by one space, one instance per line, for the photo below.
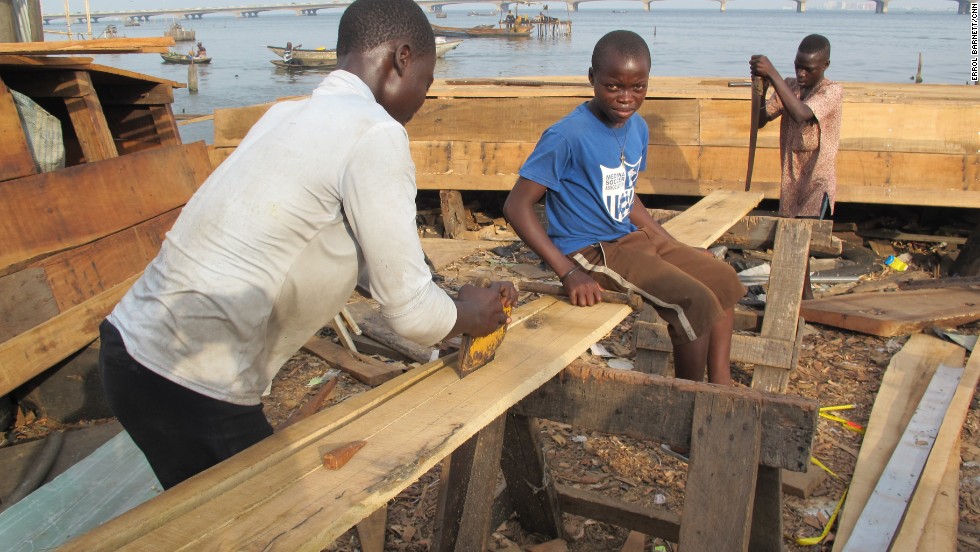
590 189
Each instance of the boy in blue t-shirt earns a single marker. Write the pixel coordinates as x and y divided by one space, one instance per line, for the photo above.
600 236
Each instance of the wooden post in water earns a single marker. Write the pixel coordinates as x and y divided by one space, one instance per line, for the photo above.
918 72
192 77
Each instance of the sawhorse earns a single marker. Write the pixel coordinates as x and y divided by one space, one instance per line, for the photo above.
739 439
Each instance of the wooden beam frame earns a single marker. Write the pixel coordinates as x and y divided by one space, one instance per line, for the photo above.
613 401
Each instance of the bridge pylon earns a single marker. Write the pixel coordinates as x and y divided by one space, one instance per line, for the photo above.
881 6
800 6
964 6
723 4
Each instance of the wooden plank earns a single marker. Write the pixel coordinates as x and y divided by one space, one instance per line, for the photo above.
754 232
361 367
16 157
44 61
868 126
942 525
895 235
466 490
783 296
372 323
39 348
720 490
902 387
707 220
895 313
232 124
530 486
453 213
371 531
442 252
165 124
143 45
272 506
752 349
618 402
767 511
879 520
25 301
80 273
88 120
593 505
52 215
944 451
671 121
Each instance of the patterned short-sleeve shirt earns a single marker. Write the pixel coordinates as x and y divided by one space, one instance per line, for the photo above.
808 150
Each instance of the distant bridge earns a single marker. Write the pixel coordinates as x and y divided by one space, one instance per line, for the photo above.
312 8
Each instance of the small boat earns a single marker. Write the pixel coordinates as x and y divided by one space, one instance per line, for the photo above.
321 56
440 15
318 54
132 23
184 59
517 30
444 45
109 32
302 64
179 33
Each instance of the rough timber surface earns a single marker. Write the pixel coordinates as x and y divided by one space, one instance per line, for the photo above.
895 313
277 496
902 387
474 134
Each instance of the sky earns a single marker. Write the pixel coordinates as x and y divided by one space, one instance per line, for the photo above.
57 6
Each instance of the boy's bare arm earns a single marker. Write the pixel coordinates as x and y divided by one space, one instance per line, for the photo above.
642 219
519 212
794 107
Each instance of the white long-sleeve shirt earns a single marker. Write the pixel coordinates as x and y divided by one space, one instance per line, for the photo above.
319 194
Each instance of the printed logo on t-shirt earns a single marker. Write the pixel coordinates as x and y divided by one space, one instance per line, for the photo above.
619 189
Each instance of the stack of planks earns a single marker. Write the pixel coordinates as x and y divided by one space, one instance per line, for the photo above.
911 443
76 238
900 144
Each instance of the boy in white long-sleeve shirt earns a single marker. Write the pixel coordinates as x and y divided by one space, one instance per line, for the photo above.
319 196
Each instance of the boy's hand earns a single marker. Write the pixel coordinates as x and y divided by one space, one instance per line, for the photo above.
582 290
483 308
760 66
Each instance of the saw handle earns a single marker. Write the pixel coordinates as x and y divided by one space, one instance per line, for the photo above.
631 299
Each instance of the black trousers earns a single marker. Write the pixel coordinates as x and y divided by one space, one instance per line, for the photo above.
181 432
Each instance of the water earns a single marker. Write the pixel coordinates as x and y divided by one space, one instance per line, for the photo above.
866 47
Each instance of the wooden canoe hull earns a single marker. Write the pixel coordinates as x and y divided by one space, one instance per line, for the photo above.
299 53
517 31
304 64
182 59
900 144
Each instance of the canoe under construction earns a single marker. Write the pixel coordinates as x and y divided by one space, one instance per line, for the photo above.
910 144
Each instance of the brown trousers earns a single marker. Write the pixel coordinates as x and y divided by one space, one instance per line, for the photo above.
689 289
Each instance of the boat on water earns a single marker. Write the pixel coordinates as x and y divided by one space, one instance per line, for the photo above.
516 30
179 33
132 23
184 59
321 56
441 15
297 63
307 55
444 45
